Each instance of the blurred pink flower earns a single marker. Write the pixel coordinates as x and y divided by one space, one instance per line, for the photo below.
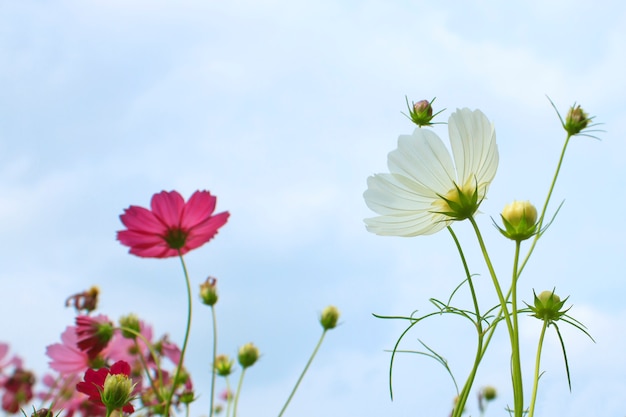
6 361
18 390
60 393
123 349
93 334
67 358
172 226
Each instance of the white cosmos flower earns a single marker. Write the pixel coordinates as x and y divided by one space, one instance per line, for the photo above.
425 190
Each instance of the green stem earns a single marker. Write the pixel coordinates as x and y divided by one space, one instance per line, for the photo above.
515 373
464 394
545 206
186 339
295 388
213 373
154 355
518 389
239 385
229 400
531 411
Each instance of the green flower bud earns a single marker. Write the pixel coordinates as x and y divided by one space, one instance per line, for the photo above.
576 120
187 397
208 291
548 306
248 355
489 393
117 391
520 220
223 365
130 326
421 113
329 317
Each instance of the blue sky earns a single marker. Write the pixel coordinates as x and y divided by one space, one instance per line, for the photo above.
283 109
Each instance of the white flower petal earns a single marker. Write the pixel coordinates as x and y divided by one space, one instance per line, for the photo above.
424 158
408 226
405 207
473 142
392 194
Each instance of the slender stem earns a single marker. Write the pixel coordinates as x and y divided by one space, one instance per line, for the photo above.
295 388
213 373
153 353
239 385
531 410
229 400
518 389
186 339
515 374
464 394
545 206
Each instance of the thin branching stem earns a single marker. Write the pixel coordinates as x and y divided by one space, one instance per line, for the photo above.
185 340
214 355
306 368
531 410
464 394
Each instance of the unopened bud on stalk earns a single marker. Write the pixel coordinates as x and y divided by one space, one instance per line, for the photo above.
130 326
208 291
329 317
576 120
421 113
223 365
489 393
248 355
520 220
548 306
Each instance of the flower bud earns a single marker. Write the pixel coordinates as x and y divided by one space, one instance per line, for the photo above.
329 317
42 412
421 113
489 393
548 306
208 291
520 220
248 355
117 391
223 365
130 326
576 120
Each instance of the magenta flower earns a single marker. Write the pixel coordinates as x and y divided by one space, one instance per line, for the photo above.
173 227
93 334
96 385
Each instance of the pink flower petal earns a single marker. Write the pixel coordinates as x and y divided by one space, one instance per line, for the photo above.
198 209
168 207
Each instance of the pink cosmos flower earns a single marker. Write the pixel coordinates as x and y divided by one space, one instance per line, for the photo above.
173 226
93 334
67 358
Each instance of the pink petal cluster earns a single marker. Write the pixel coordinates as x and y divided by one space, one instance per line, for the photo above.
172 227
93 334
67 357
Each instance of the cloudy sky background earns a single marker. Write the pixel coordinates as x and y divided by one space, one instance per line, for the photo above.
283 109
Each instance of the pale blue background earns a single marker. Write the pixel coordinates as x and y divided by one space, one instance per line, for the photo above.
282 109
